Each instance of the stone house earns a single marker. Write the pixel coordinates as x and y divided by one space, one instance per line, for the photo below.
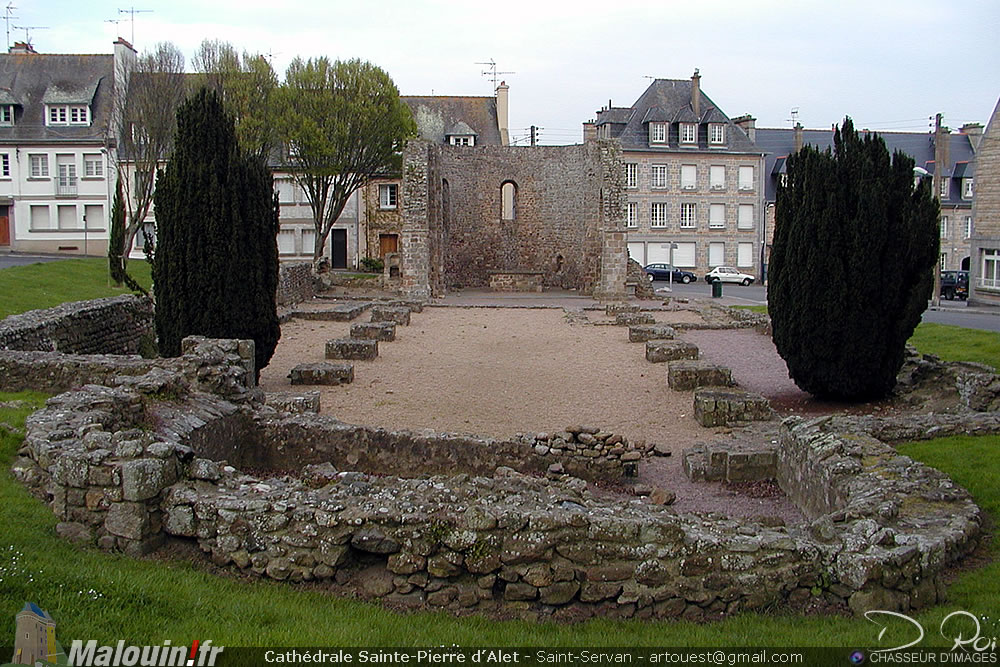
57 149
34 636
984 245
693 178
953 182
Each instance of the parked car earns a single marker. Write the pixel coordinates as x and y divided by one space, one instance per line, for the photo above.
728 274
663 271
955 284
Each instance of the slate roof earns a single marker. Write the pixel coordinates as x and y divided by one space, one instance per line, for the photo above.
778 143
36 610
35 79
437 115
669 100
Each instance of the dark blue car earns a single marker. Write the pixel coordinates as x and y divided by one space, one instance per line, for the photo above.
663 271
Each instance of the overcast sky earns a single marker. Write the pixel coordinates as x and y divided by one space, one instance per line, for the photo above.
889 64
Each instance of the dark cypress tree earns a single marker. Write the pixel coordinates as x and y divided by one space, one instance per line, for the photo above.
116 237
855 247
215 270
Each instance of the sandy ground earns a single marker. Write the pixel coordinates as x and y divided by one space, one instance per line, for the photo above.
501 371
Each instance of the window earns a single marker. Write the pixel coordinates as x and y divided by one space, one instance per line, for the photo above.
716 253
967 188
39 166
746 178
689 177
716 133
387 195
142 180
944 226
69 115
968 226
944 261
40 217
631 175
717 216
463 141
67 217
945 187
687 216
632 214
659 176
744 255
689 133
991 268
717 177
684 255
744 219
7 114
286 242
508 203
658 214
66 183
5 165
657 133
93 166
93 216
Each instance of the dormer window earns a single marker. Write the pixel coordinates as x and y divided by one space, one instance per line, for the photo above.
657 133
462 140
7 114
945 187
716 134
967 189
689 133
66 114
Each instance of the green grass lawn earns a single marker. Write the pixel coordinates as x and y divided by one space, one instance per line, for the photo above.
48 284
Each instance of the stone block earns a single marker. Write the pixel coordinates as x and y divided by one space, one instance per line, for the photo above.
341 312
613 309
383 331
352 348
396 314
322 373
645 332
659 351
719 407
145 478
687 375
306 402
632 319
128 520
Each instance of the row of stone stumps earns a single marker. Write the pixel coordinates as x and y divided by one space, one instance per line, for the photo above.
361 345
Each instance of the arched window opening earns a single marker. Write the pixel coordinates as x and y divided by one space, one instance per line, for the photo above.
508 199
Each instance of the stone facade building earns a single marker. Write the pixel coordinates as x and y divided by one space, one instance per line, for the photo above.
984 276
693 178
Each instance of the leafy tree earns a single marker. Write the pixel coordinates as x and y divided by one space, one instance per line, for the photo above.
855 247
340 123
216 265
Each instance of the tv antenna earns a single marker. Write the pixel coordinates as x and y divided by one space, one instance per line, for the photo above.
8 15
26 28
492 71
795 116
132 11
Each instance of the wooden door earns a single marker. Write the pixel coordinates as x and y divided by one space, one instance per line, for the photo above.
387 243
4 230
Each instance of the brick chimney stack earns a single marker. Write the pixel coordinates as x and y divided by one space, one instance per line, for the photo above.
696 93
748 124
975 133
21 48
502 113
798 137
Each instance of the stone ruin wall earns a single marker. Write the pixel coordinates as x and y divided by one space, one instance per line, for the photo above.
295 283
569 204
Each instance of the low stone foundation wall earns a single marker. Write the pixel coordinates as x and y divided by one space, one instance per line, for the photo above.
114 325
296 283
516 281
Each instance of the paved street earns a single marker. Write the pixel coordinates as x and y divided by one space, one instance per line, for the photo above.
8 260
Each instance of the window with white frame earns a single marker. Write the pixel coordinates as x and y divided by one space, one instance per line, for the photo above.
93 216
658 214
632 214
39 165
687 216
716 253
463 141
717 177
387 195
689 177
40 217
93 166
744 255
716 133
631 175
68 115
945 187
657 133
944 226
658 176
968 226
744 216
746 178
7 114
967 188
66 176
688 133
5 165
943 264
991 268
716 216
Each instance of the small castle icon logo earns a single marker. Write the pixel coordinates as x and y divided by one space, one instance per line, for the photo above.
35 638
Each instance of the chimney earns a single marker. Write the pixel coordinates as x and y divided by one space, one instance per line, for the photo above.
747 123
21 48
502 109
798 137
942 152
696 93
589 132
975 132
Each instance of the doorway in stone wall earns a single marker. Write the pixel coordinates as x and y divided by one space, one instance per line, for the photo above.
339 243
4 227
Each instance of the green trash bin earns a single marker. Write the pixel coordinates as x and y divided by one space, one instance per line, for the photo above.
717 289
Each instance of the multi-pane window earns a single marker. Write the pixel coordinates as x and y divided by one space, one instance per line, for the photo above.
5 165
58 115
463 141
944 226
687 216
744 219
717 177
93 166
39 166
658 176
68 115
991 268
657 133
968 226
387 195
746 178
717 216
967 188
78 116
632 214
716 133
658 214
943 264
689 176
631 175
689 133
66 181
6 114
945 187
